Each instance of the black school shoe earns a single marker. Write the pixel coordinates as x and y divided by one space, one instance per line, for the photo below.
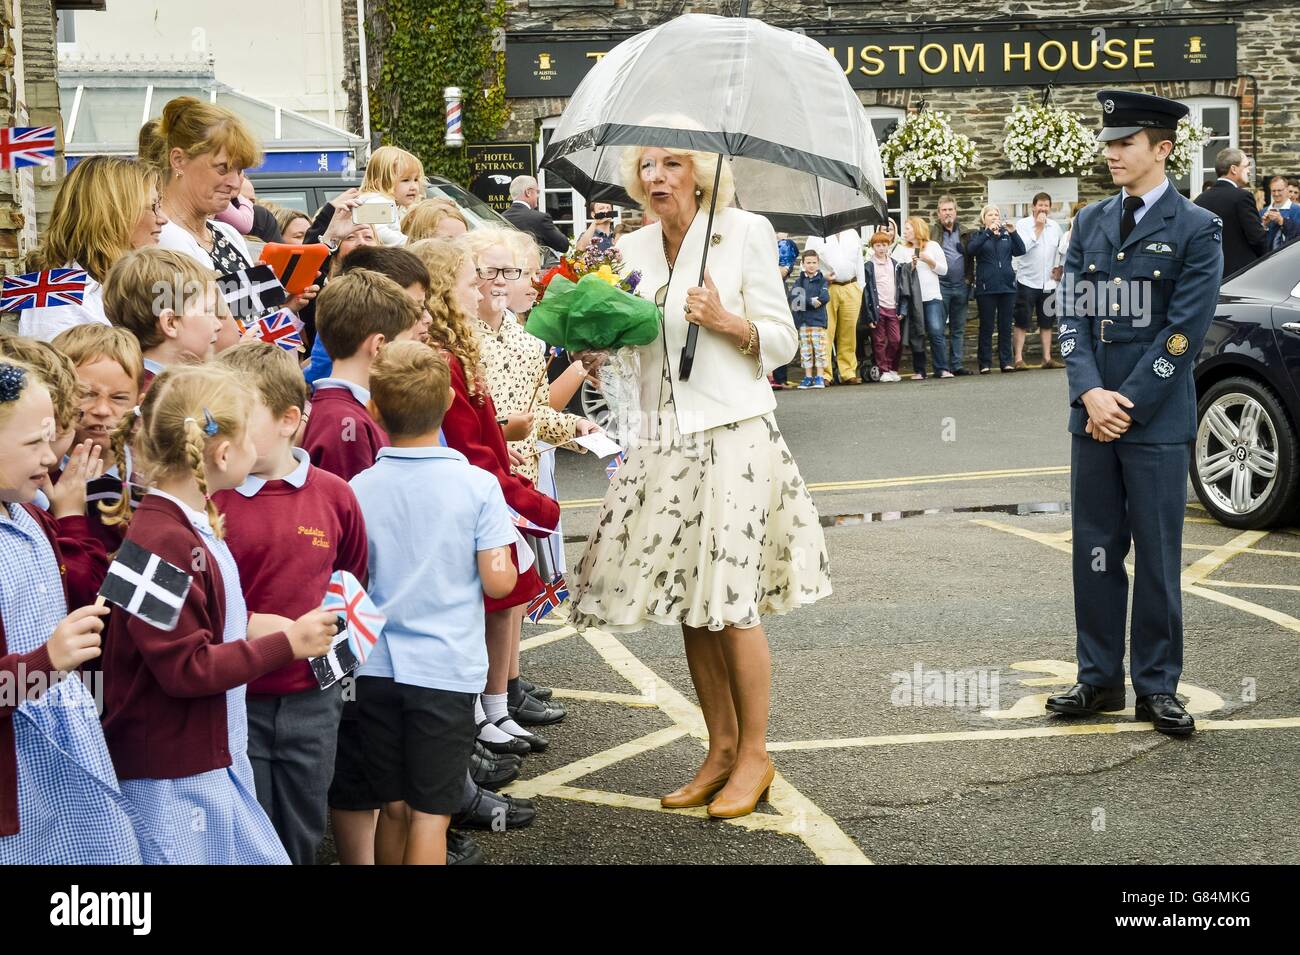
534 712
1084 699
513 745
1168 715
535 742
542 693
462 850
495 813
493 773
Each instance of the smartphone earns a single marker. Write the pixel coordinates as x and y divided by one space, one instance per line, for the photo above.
382 212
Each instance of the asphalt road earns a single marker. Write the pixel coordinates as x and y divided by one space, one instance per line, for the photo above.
949 545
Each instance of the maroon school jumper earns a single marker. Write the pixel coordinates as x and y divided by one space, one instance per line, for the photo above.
287 541
341 437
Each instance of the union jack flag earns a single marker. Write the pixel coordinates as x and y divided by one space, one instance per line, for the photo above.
43 289
614 464
346 597
26 146
279 328
524 524
552 595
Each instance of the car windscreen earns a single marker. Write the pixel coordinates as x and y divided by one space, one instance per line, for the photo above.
1272 278
475 209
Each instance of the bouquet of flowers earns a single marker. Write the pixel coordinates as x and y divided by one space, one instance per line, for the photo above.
1187 146
588 303
1049 136
925 148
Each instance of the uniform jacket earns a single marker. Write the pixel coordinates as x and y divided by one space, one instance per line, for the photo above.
993 252
1156 292
725 386
1244 238
803 291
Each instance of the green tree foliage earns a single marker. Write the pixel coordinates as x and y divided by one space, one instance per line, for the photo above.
422 46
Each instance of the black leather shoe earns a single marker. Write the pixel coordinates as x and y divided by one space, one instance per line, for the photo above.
542 693
516 746
1083 699
494 773
1166 713
495 813
962 371
534 712
496 759
535 742
462 850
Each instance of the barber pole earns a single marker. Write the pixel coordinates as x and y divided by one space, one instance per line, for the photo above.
454 135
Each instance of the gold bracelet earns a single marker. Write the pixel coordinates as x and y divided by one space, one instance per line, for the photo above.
750 342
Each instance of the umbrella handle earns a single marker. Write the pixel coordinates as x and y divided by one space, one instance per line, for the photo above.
693 333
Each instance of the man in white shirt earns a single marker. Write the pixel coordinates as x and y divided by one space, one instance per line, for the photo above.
1036 276
843 265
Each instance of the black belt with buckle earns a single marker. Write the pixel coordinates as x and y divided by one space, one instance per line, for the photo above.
1121 333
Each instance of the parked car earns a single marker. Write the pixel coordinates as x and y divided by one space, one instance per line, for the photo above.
309 192
1246 460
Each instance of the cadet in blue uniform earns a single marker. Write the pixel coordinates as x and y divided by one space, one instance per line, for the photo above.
1138 293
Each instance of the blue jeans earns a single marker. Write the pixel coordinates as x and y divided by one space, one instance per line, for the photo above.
996 307
955 298
935 320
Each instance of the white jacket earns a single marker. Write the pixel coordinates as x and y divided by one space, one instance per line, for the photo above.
725 386
44 323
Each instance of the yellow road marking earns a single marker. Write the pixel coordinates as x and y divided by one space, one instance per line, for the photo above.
1216 558
542 639
627 699
877 483
1030 732
797 814
1234 583
1262 551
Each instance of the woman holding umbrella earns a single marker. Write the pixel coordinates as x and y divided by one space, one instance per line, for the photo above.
708 524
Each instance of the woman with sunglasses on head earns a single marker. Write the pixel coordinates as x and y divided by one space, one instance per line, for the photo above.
708 524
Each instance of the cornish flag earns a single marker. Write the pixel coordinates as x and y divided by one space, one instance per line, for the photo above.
43 289
552 595
146 586
252 292
614 464
365 623
280 328
26 146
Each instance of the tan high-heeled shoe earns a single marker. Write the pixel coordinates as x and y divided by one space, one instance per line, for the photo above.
695 794
720 809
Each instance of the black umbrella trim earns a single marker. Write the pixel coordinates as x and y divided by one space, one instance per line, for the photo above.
729 144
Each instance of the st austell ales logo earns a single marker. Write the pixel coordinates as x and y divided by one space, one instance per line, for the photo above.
1195 50
544 66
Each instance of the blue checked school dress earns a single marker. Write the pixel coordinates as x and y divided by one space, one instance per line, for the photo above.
70 806
212 818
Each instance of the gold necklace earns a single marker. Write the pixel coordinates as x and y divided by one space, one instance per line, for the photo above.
671 260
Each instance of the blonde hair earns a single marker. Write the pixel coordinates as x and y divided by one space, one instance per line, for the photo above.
421 222
991 207
53 369
85 344
197 128
451 329
703 166
385 168
144 282
95 211
522 245
269 370
920 230
480 240
181 403
410 385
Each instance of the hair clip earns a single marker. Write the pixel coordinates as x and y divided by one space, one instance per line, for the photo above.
12 381
209 423
136 411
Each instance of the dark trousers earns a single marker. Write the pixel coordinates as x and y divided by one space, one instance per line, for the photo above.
955 298
996 308
291 744
1121 492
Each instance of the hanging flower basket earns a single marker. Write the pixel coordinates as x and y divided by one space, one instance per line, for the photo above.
1187 147
1049 137
925 148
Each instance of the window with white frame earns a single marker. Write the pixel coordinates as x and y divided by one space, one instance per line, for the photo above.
555 196
884 120
1220 114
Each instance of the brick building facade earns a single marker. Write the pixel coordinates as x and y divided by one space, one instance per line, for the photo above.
1253 103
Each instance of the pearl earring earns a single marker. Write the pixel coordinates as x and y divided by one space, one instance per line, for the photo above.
698 193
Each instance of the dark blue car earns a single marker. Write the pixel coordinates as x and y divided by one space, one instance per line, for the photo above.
1246 460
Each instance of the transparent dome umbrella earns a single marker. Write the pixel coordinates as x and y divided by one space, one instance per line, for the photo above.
774 102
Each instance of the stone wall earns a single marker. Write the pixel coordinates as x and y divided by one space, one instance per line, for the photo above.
1267 88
